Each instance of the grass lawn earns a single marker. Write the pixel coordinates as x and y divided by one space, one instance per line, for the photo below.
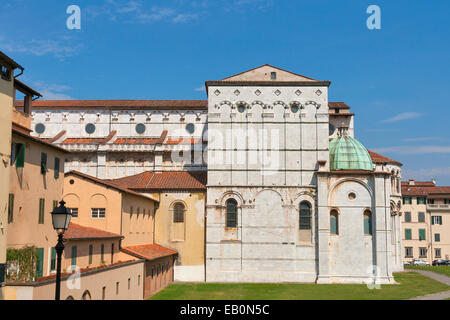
438 269
411 284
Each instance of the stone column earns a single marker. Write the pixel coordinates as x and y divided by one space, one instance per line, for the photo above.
382 241
323 229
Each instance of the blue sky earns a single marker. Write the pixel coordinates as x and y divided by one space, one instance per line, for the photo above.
395 79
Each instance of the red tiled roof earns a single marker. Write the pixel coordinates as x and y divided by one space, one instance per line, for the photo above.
83 141
424 188
120 104
151 141
183 141
77 232
420 183
183 180
39 140
149 251
338 105
108 183
378 158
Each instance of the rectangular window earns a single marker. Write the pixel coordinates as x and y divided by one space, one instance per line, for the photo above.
40 262
407 200
408 252
446 201
55 203
421 200
57 165
422 252
91 251
407 216
421 217
74 212
408 234
436 220
98 213
103 293
437 252
18 155
11 208
430 201
41 211
43 163
437 237
129 283
139 280
117 288
5 72
74 255
53 259
102 254
112 253
421 234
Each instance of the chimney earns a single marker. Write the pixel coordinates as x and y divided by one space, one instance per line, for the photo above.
412 182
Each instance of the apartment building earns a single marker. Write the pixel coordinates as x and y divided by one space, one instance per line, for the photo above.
426 221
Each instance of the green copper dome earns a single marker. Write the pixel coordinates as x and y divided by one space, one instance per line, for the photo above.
346 153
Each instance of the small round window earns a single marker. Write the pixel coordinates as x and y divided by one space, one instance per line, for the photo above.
140 128
90 128
40 128
351 196
295 108
241 108
190 128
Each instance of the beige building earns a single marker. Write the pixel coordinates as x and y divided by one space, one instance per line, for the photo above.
426 221
7 95
126 221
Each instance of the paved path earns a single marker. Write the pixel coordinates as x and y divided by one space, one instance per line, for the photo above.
438 277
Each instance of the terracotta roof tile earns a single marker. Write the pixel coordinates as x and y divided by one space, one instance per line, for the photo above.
108 183
378 158
149 251
168 180
78 232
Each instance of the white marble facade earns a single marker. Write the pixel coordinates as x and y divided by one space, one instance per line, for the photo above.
264 140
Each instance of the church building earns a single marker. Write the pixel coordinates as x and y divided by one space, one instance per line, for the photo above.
263 182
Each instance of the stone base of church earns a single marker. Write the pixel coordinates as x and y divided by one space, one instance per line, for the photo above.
261 277
189 273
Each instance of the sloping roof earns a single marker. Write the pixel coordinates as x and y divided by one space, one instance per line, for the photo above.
260 73
107 183
419 183
78 232
13 64
149 251
378 158
38 140
424 188
168 180
338 105
120 104
22 87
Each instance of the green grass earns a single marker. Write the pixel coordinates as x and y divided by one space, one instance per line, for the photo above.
445 270
411 284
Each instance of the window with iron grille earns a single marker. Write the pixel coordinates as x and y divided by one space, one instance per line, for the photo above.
422 252
408 252
231 213
305 216
178 213
98 213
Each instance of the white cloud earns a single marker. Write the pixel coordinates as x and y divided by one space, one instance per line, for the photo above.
200 89
422 139
425 173
58 48
52 91
414 150
403 116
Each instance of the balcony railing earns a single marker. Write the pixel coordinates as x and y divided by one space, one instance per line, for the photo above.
438 206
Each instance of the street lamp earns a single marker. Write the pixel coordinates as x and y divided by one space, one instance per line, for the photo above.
60 219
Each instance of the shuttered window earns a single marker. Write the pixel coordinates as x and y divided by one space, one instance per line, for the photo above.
437 237
74 256
231 213
40 262
41 211
43 163
57 165
407 234
18 155
421 234
11 208
53 259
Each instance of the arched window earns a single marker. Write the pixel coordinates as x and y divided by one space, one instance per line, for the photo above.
178 213
368 222
231 213
334 222
86 295
305 216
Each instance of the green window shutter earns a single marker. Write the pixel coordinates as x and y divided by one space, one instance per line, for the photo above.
53 259
421 234
440 220
57 165
407 234
11 208
437 237
43 163
40 263
91 249
74 255
20 155
41 210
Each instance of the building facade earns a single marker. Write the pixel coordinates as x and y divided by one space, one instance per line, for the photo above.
290 194
426 221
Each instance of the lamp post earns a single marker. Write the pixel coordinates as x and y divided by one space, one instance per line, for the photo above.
60 219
